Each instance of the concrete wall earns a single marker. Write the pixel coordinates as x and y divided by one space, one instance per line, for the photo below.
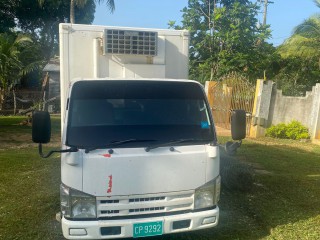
284 109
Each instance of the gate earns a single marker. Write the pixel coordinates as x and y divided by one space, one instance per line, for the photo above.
231 94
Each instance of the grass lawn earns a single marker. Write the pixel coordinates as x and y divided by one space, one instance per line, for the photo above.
283 204
29 185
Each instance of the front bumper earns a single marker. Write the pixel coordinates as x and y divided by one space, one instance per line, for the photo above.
124 228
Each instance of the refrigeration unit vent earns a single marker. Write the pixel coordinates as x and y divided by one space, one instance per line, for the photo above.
130 42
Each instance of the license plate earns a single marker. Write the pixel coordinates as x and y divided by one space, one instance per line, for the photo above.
147 229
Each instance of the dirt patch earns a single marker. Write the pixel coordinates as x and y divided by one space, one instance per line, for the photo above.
18 141
262 172
259 169
223 132
15 138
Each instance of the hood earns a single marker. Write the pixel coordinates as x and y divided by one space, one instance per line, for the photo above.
134 171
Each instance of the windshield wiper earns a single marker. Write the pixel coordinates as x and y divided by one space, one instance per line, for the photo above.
117 143
177 141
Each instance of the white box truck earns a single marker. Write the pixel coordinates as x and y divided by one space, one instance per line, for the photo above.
139 150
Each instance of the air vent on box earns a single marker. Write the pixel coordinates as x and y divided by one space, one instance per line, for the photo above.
130 42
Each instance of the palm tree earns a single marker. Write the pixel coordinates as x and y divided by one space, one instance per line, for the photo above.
12 48
305 41
81 3
10 65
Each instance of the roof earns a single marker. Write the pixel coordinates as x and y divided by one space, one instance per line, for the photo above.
52 66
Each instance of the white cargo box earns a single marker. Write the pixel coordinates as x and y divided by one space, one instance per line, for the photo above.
90 52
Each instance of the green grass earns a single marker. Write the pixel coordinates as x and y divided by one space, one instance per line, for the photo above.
29 185
286 198
29 195
283 204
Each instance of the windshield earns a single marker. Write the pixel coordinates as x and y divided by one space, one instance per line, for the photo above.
151 112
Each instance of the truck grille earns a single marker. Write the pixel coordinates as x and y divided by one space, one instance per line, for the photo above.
130 42
146 204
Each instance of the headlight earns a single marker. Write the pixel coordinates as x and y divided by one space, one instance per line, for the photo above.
207 195
203 199
76 204
65 200
82 205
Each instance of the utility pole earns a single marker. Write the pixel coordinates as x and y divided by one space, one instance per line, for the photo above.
265 12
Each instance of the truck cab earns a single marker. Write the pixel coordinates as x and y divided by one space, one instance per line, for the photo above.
147 161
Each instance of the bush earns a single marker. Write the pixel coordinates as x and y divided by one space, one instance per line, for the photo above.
294 130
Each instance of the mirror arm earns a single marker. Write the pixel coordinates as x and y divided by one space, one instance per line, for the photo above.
72 149
232 147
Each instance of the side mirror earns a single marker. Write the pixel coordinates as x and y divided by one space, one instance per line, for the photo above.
238 125
41 127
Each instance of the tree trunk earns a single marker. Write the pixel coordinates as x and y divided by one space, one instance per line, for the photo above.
1 98
72 18
14 102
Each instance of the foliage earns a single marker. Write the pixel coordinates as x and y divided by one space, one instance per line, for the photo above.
305 41
6 18
19 58
242 45
41 21
294 130
40 24
300 66
297 75
226 37
76 5
15 58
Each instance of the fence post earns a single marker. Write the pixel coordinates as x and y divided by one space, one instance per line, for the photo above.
315 115
209 91
1 97
261 108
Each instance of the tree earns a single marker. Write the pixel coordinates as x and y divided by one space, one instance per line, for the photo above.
42 21
6 16
305 41
242 40
17 58
81 4
300 68
10 64
198 18
297 75
226 37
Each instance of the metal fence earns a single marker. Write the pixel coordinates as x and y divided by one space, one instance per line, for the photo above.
228 95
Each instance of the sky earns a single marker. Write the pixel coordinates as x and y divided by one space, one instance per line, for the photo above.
283 15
